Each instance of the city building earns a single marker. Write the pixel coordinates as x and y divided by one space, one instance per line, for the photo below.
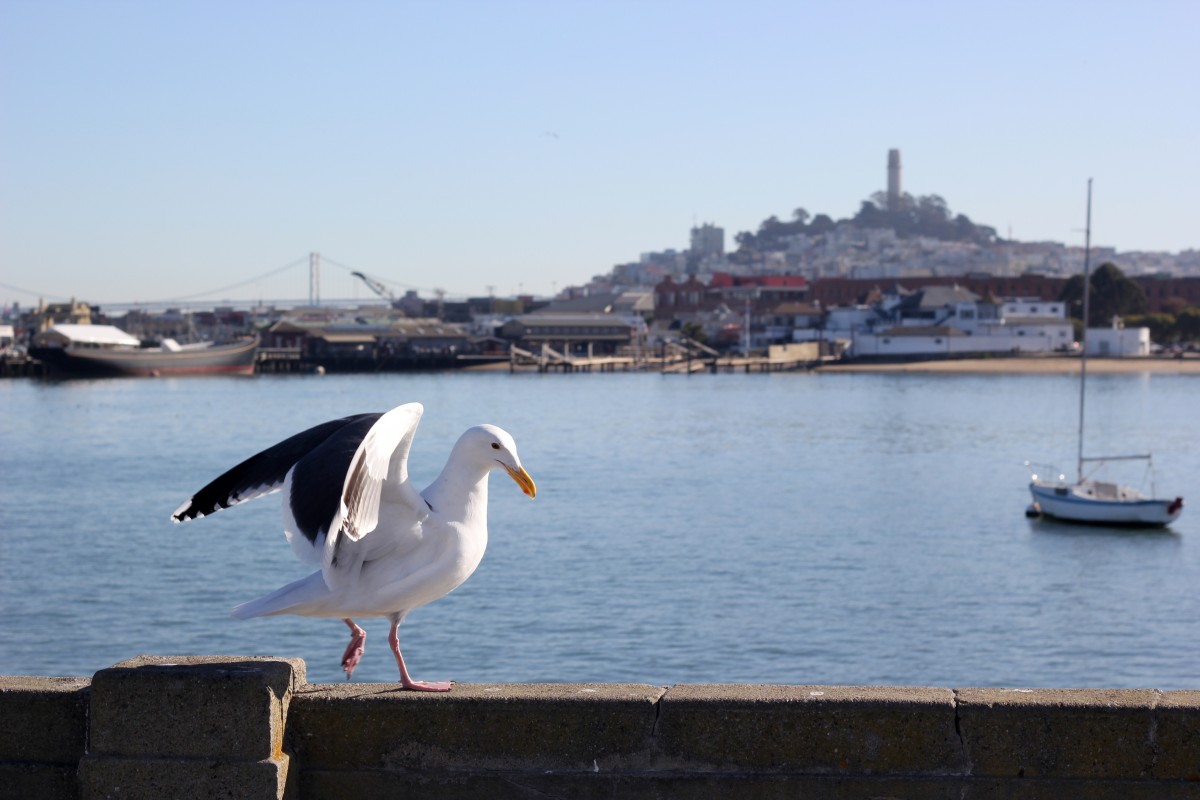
570 334
707 243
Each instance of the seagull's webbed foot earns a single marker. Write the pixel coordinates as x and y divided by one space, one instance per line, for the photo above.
406 680
354 650
426 686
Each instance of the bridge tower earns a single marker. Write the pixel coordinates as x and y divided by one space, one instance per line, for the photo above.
314 279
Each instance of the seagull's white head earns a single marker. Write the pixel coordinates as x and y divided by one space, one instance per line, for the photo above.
494 448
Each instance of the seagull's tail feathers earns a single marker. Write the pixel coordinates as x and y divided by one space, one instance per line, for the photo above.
304 596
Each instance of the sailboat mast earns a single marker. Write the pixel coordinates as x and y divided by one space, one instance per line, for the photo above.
1087 257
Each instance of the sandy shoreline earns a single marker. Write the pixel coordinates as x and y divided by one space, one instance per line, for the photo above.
1017 365
1026 365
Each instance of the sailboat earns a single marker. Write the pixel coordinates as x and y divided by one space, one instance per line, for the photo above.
1089 500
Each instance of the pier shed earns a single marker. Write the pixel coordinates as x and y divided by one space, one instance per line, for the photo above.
600 334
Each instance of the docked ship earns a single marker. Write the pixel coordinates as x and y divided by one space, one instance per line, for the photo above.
99 350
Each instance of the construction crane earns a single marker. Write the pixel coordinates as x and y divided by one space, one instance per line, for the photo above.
378 288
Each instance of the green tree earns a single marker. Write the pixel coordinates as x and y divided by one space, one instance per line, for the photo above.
871 215
1187 323
1112 294
695 332
928 215
1163 327
932 213
1174 305
769 226
822 223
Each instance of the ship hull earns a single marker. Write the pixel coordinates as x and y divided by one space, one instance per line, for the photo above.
228 359
1077 503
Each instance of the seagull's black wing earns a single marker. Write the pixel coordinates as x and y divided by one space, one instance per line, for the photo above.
265 472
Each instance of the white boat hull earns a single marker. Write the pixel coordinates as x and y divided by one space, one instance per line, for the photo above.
1102 504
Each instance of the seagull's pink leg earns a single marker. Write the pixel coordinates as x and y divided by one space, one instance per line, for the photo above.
354 650
405 680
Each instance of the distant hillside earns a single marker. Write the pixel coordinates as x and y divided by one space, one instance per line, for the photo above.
927 216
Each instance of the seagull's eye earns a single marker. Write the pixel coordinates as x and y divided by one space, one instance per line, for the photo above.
495 445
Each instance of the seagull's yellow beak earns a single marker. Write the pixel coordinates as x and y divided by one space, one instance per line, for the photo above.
523 480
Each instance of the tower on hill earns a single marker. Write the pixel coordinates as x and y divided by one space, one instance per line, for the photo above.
894 190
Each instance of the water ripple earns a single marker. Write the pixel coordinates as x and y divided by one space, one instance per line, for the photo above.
792 528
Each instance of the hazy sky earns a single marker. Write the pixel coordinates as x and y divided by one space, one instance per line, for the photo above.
157 150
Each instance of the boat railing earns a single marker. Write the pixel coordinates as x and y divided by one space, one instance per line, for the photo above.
1100 461
1142 457
1044 470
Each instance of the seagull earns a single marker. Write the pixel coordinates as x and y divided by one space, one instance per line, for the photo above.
383 548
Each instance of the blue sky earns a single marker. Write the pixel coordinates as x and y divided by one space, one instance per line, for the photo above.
151 151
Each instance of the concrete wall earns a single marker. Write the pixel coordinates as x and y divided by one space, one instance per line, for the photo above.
796 351
890 345
1118 341
253 727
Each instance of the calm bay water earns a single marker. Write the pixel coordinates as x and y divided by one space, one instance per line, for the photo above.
734 528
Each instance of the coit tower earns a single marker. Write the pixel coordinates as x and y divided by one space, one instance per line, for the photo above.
894 191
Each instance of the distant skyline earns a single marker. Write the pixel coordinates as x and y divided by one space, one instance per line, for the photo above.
157 151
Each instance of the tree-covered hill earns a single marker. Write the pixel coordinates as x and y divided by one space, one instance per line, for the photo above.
927 216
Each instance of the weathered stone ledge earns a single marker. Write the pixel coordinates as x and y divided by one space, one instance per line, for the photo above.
253 727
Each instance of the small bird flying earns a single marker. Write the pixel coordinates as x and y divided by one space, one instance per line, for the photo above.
382 547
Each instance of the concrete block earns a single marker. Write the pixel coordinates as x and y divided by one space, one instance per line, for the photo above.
1177 737
1065 789
154 779
528 727
862 730
626 786
1059 733
193 707
44 720
43 781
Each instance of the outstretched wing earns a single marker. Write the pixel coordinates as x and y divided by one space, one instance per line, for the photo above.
263 473
382 454
383 451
